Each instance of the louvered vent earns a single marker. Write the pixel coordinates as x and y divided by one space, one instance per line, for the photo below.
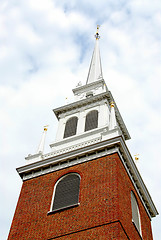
91 120
67 192
135 212
71 127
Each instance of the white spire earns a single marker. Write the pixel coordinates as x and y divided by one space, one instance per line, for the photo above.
95 70
112 123
42 142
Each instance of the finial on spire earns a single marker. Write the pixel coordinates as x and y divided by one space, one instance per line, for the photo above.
97 36
112 104
46 127
136 157
42 142
113 122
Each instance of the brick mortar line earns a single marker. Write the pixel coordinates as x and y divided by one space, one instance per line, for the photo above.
118 221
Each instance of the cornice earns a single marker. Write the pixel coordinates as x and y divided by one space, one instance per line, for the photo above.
79 104
89 153
83 107
137 180
88 86
48 159
94 100
83 136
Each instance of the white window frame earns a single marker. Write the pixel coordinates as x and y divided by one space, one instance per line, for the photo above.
66 124
89 111
55 186
138 213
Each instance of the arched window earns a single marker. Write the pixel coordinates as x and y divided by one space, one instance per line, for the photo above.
135 212
66 192
71 127
91 120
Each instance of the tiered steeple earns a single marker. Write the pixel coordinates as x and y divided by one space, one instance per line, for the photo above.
93 97
88 128
89 172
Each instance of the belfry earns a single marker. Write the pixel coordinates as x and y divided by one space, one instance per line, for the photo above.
87 186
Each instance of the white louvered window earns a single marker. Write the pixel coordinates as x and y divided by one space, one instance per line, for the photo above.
91 120
71 127
66 192
135 212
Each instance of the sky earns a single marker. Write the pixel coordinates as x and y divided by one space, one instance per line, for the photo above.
45 50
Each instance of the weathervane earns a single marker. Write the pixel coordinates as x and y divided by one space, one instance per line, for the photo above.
97 36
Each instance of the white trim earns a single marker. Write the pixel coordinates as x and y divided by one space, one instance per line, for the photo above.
88 87
76 117
77 140
135 183
53 196
70 206
98 114
138 212
91 102
51 163
81 122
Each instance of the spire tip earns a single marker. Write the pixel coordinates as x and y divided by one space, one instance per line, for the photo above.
97 36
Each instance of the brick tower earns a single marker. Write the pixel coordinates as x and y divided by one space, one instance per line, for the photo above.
88 186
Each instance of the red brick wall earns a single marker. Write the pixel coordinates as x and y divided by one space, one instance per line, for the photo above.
110 231
104 211
124 188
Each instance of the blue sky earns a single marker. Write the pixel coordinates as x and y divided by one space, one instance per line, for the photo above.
45 50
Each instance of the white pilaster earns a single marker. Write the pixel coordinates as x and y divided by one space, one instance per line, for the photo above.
81 122
103 115
61 127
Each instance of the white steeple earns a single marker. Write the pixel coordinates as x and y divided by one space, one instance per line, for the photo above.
89 128
95 70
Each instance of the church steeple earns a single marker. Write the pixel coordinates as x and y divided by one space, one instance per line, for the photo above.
90 156
95 70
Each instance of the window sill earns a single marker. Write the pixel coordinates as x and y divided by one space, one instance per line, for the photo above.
62 209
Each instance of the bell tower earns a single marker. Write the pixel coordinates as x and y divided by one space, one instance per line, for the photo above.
87 186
